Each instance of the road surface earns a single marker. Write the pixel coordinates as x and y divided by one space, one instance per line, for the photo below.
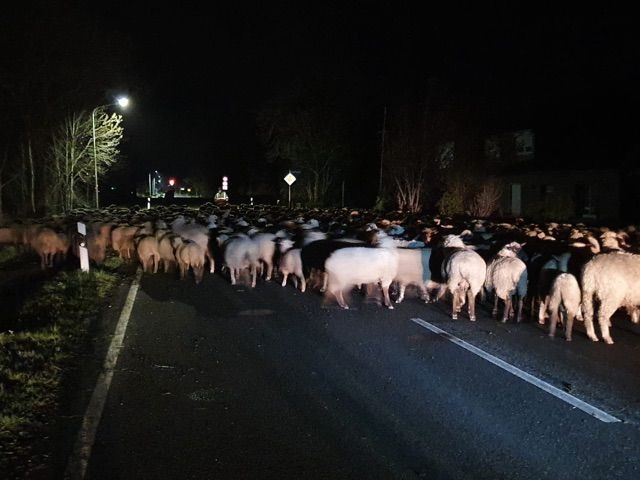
227 382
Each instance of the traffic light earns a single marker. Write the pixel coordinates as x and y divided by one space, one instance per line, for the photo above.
225 184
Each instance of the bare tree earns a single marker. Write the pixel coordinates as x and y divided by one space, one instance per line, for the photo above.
302 139
487 200
410 186
5 179
71 161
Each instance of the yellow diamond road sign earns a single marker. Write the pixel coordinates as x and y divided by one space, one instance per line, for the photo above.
290 178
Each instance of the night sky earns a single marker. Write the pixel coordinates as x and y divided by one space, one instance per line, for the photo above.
200 74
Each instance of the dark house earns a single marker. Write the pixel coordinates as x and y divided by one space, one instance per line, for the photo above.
602 196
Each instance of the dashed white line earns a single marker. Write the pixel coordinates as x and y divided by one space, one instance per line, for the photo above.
79 459
562 395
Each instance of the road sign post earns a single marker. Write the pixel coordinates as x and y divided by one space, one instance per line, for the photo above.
82 248
289 178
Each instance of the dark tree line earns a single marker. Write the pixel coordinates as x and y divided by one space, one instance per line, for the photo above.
56 66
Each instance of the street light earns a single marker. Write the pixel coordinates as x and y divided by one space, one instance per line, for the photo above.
122 102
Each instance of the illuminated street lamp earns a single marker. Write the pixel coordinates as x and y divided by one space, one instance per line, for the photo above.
122 102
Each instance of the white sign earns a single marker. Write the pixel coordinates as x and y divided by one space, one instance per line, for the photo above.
82 228
84 258
289 178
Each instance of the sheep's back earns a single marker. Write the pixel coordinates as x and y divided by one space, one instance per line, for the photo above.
360 265
613 275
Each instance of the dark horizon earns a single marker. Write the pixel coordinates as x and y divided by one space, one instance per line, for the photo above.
198 76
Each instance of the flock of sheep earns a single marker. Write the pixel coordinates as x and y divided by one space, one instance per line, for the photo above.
566 272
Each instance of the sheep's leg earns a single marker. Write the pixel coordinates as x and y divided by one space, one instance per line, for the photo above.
303 283
295 280
604 315
183 271
385 294
553 322
532 308
455 308
507 313
424 293
494 312
284 278
587 316
340 299
232 273
155 264
401 293
542 312
212 263
568 328
254 275
520 305
471 307
325 281
269 270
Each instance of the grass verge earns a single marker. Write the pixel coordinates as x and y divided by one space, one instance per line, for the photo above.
33 358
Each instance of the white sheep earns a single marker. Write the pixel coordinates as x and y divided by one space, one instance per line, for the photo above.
348 267
612 279
464 272
413 269
241 253
565 294
266 247
507 277
291 263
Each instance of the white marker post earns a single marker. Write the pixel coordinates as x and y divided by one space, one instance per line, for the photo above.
289 178
84 253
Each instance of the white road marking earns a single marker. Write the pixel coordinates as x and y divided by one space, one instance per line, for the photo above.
562 395
79 459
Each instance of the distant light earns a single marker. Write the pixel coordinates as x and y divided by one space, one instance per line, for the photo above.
113 188
188 189
172 181
181 188
123 102
225 179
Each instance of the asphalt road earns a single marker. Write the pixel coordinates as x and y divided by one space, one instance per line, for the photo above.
226 382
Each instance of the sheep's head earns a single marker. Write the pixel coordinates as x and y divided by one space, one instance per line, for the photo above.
510 250
453 241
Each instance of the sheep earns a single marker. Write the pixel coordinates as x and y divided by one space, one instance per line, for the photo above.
314 255
413 269
50 245
196 232
239 253
542 271
612 279
464 272
189 254
565 293
266 246
507 277
122 240
291 263
148 253
11 235
362 265
167 251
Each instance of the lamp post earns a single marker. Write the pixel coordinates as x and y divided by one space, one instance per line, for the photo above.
122 102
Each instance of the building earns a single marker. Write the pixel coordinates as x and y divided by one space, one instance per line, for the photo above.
555 192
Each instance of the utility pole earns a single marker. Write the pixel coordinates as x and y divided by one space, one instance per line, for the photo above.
384 126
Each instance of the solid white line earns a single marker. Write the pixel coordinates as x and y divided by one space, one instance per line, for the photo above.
79 459
562 395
